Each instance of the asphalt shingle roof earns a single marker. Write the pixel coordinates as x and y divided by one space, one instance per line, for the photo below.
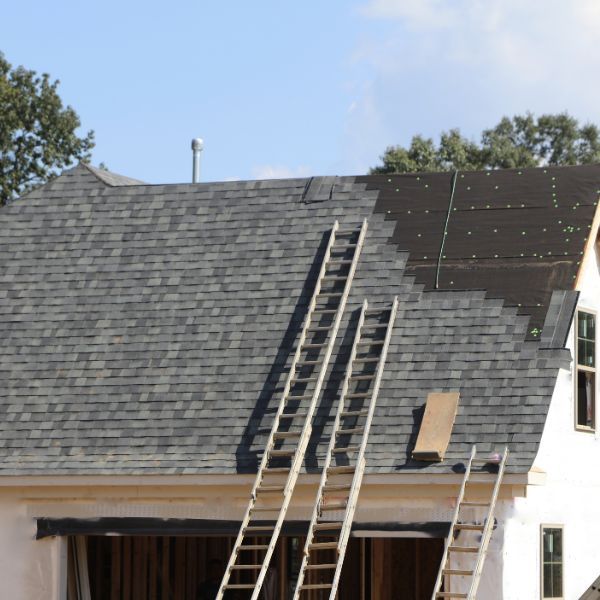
146 328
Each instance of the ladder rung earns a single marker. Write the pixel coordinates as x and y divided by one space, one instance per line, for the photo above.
307 363
323 546
469 526
245 567
469 503
361 377
316 586
334 278
291 415
457 572
321 566
358 395
327 525
334 506
303 379
271 488
354 413
367 327
371 343
254 547
450 595
341 470
375 311
273 470
281 452
284 435
346 449
337 487
265 508
301 397
254 528
345 246
485 461
336 263
349 431
239 586
472 549
367 359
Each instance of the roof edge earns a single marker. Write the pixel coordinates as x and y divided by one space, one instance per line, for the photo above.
109 178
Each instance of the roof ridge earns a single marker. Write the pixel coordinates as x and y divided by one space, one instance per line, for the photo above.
109 178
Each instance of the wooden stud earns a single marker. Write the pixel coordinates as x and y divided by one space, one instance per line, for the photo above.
165 570
153 569
126 568
115 568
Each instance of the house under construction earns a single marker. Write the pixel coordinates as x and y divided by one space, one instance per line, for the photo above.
369 388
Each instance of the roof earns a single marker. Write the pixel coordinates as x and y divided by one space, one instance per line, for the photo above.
146 328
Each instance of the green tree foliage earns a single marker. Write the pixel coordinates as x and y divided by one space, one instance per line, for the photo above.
37 133
522 141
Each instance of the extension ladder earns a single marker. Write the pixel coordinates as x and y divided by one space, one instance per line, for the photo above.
345 461
467 528
284 452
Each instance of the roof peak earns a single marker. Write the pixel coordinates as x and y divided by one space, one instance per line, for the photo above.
110 178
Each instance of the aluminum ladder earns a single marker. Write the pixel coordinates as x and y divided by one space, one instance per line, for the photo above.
285 449
470 576
345 460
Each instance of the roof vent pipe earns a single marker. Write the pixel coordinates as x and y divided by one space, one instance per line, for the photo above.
197 147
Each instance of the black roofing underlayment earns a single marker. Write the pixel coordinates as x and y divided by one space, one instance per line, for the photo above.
148 329
518 234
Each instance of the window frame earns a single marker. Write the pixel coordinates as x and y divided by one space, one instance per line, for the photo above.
562 528
577 367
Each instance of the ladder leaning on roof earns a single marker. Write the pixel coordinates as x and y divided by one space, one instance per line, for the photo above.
284 453
353 420
472 575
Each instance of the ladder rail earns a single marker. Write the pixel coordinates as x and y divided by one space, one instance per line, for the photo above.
488 528
450 536
329 455
358 475
307 428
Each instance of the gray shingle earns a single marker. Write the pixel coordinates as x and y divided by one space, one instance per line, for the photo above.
146 329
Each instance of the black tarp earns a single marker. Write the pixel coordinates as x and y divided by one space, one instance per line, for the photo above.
47 527
518 234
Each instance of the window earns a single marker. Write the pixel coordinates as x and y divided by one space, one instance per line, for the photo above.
552 562
586 371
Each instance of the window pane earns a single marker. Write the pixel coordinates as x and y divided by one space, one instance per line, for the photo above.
586 326
586 385
586 350
552 559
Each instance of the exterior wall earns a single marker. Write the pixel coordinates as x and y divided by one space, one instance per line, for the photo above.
35 569
571 495
29 569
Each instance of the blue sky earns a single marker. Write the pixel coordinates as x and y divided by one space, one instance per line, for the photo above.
281 89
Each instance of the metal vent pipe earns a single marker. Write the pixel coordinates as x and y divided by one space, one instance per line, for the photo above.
197 147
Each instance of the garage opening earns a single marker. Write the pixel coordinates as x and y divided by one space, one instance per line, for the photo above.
133 567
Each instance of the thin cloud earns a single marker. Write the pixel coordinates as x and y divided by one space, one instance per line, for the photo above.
279 172
429 65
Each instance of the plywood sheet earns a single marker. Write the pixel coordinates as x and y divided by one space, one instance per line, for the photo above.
436 426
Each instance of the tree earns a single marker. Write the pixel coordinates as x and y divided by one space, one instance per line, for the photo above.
37 133
522 141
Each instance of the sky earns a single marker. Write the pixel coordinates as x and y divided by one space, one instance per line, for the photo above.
285 89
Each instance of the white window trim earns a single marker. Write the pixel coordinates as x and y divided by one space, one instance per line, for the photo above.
577 367
562 528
